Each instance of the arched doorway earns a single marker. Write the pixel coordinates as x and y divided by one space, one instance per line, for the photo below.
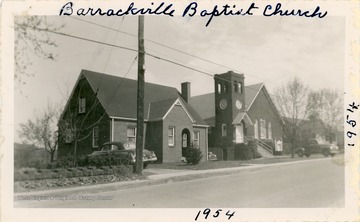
185 139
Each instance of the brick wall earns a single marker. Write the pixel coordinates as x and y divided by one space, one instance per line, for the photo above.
261 108
84 121
177 117
154 138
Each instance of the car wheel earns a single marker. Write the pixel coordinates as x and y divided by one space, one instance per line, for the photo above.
332 154
326 153
307 155
145 165
300 154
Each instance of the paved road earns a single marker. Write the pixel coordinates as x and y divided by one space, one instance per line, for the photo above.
319 183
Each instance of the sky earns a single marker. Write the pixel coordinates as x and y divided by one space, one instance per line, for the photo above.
268 50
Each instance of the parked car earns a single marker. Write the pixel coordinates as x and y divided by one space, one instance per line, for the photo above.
313 146
126 150
212 156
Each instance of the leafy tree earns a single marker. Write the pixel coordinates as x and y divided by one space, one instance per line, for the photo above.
42 131
291 100
29 41
326 105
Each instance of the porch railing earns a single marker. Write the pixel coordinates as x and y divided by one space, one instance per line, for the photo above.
265 146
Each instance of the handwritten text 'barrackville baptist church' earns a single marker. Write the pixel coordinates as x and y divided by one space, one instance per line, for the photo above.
192 9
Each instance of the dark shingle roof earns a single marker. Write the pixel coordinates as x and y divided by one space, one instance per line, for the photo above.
118 96
205 104
159 108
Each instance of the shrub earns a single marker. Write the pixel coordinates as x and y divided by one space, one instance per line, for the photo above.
253 147
243 152
108 160
66 162
192 154
247 151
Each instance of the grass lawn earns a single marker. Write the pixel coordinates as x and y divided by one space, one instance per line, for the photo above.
228 164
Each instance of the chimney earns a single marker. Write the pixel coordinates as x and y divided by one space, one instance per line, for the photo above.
185 91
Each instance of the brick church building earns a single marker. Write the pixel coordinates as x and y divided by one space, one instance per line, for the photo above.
237 114
102 108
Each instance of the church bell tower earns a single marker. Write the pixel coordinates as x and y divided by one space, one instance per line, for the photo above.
229 108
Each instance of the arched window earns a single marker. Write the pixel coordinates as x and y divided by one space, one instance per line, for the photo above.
262 129
240 87
256 130
219 88
269 131
224 88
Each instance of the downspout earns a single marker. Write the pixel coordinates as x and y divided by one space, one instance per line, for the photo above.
206 143
112 129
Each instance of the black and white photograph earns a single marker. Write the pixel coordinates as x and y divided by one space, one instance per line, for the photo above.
219 116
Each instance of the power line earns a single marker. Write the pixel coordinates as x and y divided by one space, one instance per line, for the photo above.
168 47
133 50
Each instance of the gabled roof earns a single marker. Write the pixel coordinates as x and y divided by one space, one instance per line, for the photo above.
118 96
160 109
242 116
205 104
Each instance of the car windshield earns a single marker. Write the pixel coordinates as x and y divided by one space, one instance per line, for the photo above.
129 145
111 147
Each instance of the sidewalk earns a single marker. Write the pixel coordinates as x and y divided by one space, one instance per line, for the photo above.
157 176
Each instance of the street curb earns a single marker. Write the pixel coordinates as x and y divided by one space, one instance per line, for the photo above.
157 179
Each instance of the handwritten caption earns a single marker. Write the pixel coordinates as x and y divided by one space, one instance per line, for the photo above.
215 214
193 9
350 120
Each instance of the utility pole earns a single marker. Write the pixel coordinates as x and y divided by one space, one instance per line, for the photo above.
140 98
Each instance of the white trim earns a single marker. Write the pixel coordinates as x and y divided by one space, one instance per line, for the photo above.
173 136
223 130
172 106
125 118
262 85
198 125
71 94
270 101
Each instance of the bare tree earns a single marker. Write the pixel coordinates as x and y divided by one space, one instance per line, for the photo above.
291 100
42 131
326 105
29 41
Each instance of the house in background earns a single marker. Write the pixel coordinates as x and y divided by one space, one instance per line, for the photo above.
314 128
237 114
103 108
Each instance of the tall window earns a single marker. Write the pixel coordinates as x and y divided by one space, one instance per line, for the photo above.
236 86
131 133
184 140
269 131
82 105
262 129
219 88
239 87
223 130
256 130
96 136
171 133
196 140
224 88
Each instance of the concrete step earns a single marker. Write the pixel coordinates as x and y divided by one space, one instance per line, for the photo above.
264 152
